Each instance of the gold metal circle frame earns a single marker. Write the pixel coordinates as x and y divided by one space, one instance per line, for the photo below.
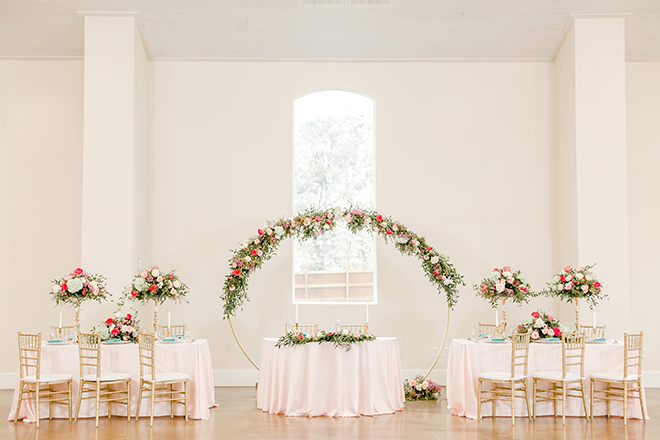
374 215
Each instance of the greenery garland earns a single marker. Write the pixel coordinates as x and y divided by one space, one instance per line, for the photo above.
343 339
313 223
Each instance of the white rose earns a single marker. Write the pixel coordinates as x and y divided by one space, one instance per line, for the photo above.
499 287
307 221
140 284
418 387
245 245
177 283
506 274
74 285
539 323
434 260
494 275
256 241
326 227
279 231
95 285
247 259
155 272
56 288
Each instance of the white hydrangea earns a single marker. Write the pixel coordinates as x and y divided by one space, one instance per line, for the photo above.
74 285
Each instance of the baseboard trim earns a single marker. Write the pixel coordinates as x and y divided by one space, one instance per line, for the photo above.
248 378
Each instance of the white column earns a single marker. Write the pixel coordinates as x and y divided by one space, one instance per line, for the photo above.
114 146
592 174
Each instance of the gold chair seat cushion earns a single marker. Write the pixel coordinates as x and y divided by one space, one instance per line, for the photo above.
50 378
556 376
166 377
501 376
615 377
106 377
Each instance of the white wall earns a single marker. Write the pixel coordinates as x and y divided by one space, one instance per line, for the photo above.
465 157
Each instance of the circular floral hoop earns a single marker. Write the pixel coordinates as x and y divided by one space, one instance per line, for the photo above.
312 224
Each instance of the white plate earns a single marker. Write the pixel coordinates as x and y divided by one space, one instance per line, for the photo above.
591 341
176 341
496 342
545 341
58 343
115 342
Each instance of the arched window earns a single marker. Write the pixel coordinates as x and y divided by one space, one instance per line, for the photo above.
334 165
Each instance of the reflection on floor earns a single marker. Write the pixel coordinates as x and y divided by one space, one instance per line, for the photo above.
236 417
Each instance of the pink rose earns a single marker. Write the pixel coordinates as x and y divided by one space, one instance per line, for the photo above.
535 334
506 269
317 218
535 314
260 252
300 336
550 318
585 288
567 269
568 286
510 280
144 274
356 335
379 218
232 288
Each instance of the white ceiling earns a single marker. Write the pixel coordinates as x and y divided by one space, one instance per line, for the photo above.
291 30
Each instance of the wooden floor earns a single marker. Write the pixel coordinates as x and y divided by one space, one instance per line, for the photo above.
236 417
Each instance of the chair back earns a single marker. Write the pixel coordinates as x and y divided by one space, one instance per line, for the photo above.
301 328
355 328
519 353
632 357
62 332
147 360
29 354
591 332
89 349
572 353
487 329
172 330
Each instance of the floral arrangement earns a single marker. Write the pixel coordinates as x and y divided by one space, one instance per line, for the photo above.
504 284
542 326
339 339
154 284
421 389
79 285
311 224
119 327
576 282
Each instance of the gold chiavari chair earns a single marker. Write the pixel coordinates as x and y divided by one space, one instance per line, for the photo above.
159 387
97 385
172 330
507 385
564 383
32 381
355 328
487 329
591 332
310 329
62 332
622 386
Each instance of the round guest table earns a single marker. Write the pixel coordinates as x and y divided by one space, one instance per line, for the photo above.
319 380
192 358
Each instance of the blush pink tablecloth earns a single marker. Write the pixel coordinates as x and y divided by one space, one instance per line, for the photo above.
319 380
468 359
192 358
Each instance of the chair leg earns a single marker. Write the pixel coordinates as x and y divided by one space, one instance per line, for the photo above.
563 404
584 400
172 401
625 403
36 410
185 398
591 399
513 404
640 390
18 405
529 414
534 399
609 395
81 391
478 401
153 396
139 402
51 390
98 398
128 401
69 387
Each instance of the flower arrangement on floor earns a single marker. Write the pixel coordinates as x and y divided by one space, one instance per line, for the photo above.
504 284
311 224
540 325
575 283
119 327
78 286
157 285
421 389
339 339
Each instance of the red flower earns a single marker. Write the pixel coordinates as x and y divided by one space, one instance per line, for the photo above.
388 232
134 293
535 314
597 285
254 252
379 218
429 248
523 288
114 331
260 232
237 272
78 271
64 286
557 331
170 276
329 222
153 287
317 218
108 321
436 272
562 278
300 336
129 317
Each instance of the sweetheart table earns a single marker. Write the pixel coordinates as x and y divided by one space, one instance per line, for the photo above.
467 359
192 358
319 380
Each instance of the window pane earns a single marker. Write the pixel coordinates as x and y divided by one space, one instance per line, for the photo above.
334 166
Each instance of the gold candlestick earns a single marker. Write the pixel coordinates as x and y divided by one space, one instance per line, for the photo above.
577 316
503 325
76 319
156 335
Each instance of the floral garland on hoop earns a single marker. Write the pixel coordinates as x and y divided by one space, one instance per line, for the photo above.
313 223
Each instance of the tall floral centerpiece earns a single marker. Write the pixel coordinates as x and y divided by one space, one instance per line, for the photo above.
157 286
501 285
76 287
575 283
